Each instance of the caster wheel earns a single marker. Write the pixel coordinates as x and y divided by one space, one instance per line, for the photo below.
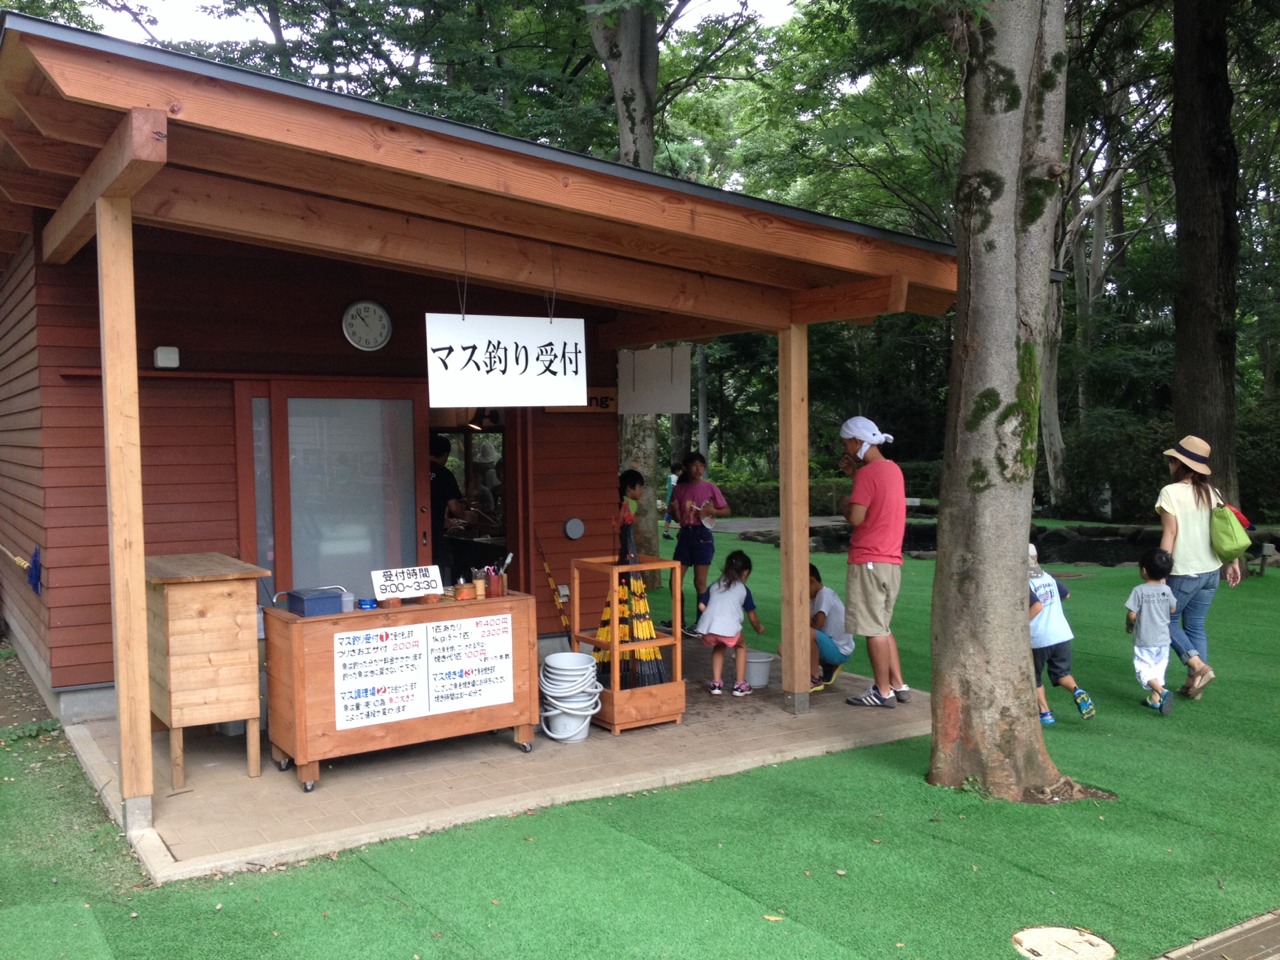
526 748
308 786
283 764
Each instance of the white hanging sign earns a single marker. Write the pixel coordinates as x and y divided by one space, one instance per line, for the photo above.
654 380
488 361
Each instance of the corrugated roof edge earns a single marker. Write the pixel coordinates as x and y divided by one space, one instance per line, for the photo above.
23 23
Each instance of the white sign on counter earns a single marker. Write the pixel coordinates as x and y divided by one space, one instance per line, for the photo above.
400 673
406 582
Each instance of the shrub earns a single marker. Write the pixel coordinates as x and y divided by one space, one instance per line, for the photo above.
1115 453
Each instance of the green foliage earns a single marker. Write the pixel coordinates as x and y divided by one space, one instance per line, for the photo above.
1117 451
1258 459
70 12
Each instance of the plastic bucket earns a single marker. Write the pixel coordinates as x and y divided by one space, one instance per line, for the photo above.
570 695
759 665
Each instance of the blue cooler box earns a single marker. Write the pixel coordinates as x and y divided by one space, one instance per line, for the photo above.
317 601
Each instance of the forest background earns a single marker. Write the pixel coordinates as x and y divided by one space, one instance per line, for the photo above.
854 110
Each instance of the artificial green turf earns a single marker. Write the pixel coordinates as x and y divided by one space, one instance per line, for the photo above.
844 856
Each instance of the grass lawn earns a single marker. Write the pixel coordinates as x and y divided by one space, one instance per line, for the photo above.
850 855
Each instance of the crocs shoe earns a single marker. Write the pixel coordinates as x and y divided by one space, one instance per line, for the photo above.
1166 704
1046 718
1083 703
742 689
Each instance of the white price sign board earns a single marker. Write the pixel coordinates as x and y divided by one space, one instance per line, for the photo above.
488 361
418 669
406 582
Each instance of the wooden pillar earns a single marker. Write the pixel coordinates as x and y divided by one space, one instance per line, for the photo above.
125 542
793 440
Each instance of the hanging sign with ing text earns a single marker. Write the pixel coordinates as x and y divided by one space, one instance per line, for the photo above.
488 361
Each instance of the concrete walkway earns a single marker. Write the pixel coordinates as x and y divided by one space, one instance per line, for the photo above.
223 820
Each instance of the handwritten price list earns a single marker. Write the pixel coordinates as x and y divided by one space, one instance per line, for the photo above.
400 673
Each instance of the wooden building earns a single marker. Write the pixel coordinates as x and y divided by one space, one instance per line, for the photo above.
179 241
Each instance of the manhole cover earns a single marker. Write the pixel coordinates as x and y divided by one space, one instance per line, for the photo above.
1061 943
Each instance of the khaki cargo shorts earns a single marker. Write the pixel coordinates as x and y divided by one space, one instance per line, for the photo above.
870 591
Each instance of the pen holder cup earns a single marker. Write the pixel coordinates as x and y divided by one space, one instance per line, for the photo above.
497 584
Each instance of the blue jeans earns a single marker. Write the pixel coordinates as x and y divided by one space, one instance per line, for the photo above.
1193 593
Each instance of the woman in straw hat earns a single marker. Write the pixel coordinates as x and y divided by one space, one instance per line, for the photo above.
1184 508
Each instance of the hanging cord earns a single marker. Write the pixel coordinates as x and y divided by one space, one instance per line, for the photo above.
462 287
551 304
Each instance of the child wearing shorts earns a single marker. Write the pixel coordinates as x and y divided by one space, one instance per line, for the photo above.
1051 640
830 646
726 603
1151 606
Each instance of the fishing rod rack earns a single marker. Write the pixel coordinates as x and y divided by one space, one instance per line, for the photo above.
640 690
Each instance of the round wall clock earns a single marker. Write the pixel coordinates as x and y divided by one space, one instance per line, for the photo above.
367 325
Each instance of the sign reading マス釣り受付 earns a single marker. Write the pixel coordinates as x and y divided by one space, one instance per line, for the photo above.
490 361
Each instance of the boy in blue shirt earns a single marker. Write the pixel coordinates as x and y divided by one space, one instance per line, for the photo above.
1051 639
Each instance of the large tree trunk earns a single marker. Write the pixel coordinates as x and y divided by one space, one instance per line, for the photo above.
985 723
1205 173
627 43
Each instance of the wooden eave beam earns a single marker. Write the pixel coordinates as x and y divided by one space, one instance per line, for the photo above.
282 166
48 156
134 154
17 217
101 79
631 331
859 302
200 203
35 189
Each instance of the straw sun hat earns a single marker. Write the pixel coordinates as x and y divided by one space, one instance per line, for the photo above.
1192 451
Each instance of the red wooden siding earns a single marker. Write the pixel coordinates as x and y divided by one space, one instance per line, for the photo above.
233 311
22 501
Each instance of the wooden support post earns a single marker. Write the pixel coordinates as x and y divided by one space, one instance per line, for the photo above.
793 434
124 494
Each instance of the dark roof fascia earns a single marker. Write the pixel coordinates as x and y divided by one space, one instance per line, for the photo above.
22 23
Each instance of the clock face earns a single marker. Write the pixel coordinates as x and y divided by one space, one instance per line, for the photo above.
367 325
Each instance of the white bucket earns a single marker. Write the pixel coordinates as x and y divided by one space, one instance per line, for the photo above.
570 695
759 664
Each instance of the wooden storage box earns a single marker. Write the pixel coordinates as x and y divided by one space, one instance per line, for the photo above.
202 639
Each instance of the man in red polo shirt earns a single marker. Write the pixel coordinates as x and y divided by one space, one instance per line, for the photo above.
877 510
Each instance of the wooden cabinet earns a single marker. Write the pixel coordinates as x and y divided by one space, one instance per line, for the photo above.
202 639
622 708
372 679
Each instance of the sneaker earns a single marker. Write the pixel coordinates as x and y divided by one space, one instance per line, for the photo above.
1166 703
902 694
1083 703
742 689
667 536
872 698
1046 718
691 632
664 624
830 672
816 683
715 688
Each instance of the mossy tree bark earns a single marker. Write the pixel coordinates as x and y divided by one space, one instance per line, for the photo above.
985 724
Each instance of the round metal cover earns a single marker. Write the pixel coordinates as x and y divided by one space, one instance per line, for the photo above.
1062 943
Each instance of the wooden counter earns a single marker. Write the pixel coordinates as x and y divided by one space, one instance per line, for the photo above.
202 641
372 679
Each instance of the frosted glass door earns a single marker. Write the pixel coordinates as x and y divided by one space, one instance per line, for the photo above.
351 487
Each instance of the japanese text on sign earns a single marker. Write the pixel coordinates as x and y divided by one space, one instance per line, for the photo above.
414 670
406 582
505 361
